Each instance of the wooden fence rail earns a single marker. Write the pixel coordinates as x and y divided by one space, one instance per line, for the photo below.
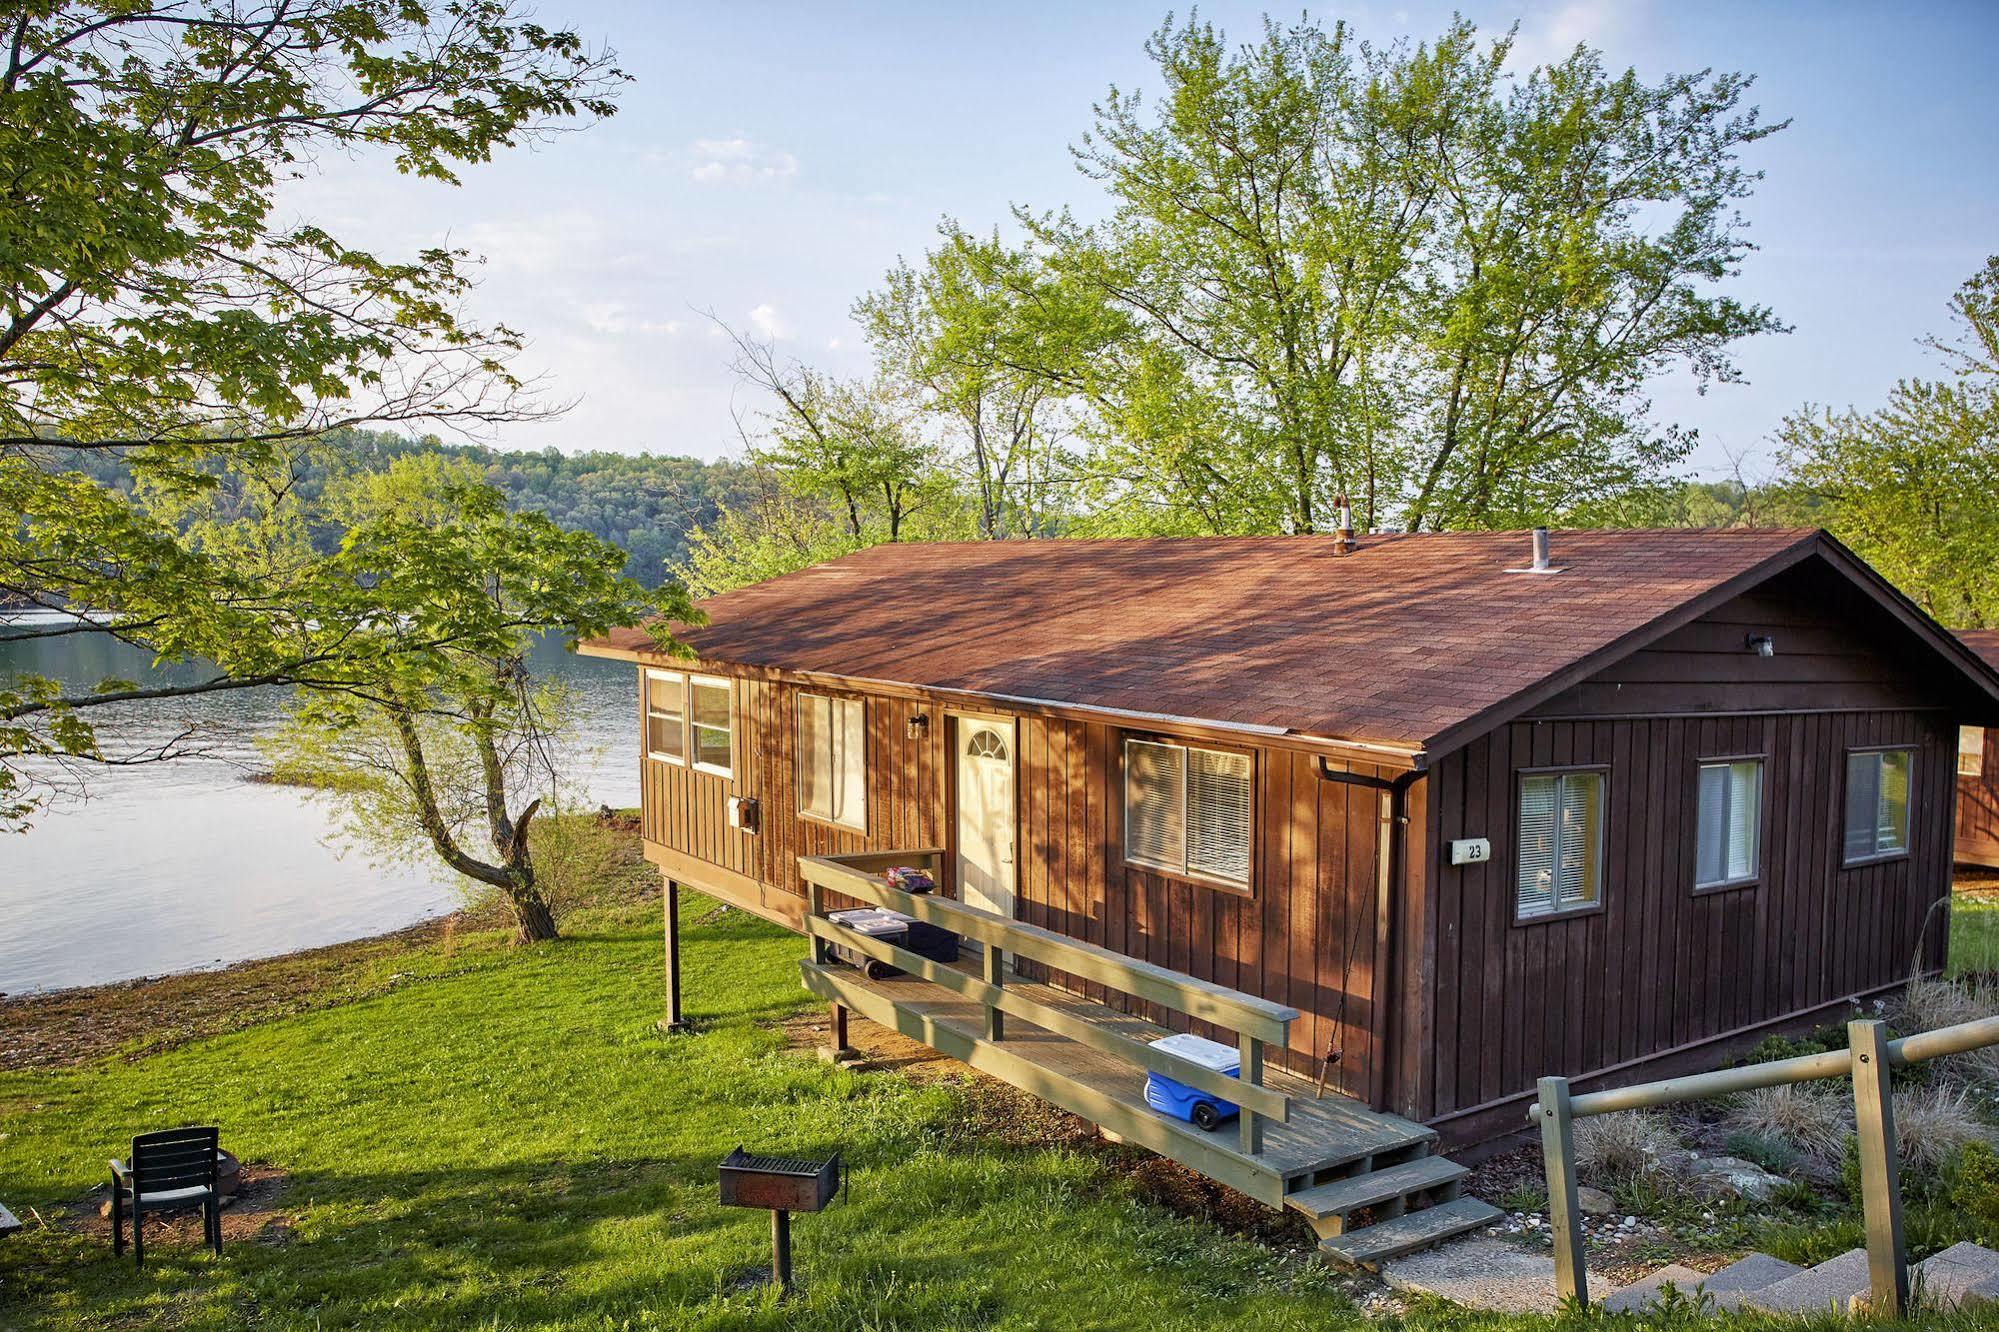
1256 1021
1867 1060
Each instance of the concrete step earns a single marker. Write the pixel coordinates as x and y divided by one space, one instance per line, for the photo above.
1484 1271
1729 1288
1336 1199
1954 1276
1370 1245
1830 1285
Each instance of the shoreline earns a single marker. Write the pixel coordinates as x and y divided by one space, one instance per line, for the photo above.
77 1024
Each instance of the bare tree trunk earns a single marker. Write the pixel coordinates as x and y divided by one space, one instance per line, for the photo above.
534 922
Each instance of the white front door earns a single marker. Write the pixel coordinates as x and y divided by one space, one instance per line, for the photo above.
985 813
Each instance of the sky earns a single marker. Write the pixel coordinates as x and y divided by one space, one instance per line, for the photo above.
770 161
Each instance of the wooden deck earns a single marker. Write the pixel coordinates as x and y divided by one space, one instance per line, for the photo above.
1321 1136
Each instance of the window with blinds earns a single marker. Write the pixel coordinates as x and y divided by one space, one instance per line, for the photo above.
666 716
1187 810
833 760
1561 843
1971 751
710 724
1730 833
1877 803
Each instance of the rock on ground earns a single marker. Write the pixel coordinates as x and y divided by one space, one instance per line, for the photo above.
1481 1272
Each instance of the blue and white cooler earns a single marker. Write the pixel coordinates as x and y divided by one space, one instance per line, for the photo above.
1171 1097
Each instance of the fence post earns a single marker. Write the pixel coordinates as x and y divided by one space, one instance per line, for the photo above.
1249 1068
995 973
1558 1156
1880 1171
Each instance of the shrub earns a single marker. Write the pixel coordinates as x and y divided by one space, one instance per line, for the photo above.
1934 1125
1974 1190
1804 1117
1929 1004
1625 1145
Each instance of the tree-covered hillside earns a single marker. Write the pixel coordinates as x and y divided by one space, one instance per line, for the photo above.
644 503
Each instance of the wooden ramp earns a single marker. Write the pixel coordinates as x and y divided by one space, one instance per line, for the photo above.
1332 1159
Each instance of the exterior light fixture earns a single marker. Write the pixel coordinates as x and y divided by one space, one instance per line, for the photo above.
1762 645
919 726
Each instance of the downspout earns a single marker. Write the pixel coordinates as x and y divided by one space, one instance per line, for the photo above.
1390 878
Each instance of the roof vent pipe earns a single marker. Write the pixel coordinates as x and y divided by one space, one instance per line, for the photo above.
1343 538
1540 564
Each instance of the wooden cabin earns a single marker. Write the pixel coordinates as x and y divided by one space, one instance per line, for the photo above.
1470 818
1978 773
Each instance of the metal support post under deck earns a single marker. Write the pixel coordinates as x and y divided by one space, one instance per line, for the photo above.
673 1021
1880 1172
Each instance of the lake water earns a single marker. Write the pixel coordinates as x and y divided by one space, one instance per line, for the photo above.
176 866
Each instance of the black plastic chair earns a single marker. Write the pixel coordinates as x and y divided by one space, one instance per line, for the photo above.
170 1170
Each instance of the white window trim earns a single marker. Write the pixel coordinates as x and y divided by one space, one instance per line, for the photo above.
729 686
1182 870
832 775
1878 856
646 703
1755 874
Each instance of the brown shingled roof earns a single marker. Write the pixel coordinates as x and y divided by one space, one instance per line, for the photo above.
1985 642
1405 640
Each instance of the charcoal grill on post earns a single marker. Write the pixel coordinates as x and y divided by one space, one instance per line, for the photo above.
784 1184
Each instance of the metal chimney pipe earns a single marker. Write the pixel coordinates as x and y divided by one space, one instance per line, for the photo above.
1343 540
1540 564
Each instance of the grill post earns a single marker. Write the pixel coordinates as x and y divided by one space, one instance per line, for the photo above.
780 1248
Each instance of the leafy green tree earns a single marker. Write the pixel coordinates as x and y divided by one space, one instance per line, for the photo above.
1390 273
1909 484
428 721
960 331
153 304
776 529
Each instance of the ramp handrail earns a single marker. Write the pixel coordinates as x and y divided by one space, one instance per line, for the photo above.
1256 1021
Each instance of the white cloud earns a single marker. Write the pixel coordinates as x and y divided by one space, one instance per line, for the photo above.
1551 33
613 318
832 344
764 319
739 159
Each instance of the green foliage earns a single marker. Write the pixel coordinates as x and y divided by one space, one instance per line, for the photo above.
155 306
1764 1150
1909 484
1974 1190
1390 273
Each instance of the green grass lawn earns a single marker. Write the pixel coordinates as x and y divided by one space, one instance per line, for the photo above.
503 1140
491 1137
1974 931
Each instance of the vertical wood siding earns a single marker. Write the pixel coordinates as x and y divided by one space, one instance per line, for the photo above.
1662 966
1978 809
1307 937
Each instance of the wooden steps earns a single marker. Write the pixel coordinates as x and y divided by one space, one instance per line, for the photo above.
1425 1174
1409 1203
1374 1244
